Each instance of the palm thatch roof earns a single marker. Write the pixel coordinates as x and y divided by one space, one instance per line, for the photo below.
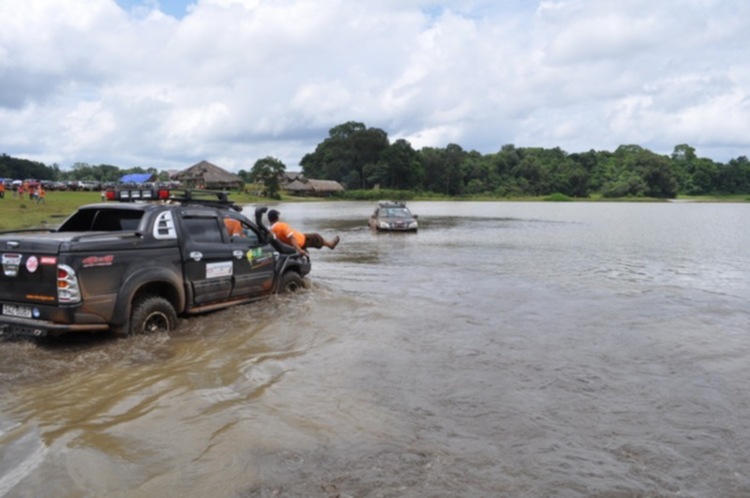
207 175
303 186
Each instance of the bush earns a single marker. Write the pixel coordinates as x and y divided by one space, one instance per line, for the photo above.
558 197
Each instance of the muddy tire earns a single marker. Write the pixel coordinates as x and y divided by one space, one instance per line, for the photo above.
291 282
152 314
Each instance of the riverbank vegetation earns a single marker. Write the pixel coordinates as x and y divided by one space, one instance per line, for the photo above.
363 158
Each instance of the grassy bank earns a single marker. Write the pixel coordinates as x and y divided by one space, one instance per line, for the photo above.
24 213
17 213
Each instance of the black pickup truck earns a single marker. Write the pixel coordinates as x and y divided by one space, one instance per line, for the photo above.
134 267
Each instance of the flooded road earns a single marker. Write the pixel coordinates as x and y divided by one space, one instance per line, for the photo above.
507 349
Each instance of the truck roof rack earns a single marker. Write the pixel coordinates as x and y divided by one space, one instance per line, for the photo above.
385 203
183 196
215 198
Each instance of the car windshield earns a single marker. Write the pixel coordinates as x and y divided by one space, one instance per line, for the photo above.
396 213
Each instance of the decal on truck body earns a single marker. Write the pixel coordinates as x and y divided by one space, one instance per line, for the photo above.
216 270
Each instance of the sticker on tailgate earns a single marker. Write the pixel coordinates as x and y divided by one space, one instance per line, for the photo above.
11 263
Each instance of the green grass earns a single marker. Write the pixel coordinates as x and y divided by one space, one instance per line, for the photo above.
18 213
23 213
557 197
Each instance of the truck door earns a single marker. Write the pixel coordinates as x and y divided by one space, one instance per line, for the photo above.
253 262
209 263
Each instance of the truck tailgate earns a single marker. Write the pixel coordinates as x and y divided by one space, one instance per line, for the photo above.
28 269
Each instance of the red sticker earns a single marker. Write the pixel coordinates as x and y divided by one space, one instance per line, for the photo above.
98 261
32 264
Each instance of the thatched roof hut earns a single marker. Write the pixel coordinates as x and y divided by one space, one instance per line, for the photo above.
207 175
311 187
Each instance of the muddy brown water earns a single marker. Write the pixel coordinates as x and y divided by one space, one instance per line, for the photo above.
506 349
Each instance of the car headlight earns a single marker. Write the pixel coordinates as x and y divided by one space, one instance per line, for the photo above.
385 224
413 225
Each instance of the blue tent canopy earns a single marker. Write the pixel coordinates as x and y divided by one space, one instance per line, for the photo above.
137 178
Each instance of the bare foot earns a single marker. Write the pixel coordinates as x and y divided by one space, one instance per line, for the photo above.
335 242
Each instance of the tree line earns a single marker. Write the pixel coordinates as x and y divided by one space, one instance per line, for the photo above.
22 169
363 158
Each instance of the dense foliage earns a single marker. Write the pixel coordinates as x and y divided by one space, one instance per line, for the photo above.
363 158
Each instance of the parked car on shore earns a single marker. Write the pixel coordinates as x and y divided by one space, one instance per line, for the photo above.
89 185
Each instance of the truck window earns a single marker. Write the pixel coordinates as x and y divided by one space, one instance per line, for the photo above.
107 220
203 229
239 230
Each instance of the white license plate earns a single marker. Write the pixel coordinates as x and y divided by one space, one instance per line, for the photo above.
12 310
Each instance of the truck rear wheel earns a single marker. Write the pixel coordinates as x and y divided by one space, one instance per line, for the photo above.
152 314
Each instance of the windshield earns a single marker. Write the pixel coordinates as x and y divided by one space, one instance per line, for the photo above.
395 213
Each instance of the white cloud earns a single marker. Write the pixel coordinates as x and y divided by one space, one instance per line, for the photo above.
233 81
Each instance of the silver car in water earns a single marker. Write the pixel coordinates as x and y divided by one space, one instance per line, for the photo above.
393 216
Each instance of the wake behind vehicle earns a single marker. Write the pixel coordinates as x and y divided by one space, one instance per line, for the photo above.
135 265
392 216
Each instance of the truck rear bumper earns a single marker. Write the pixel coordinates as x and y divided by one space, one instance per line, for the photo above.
23 327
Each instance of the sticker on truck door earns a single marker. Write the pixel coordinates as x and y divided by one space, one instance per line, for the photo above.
216 270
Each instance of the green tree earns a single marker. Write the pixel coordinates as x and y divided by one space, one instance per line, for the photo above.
479 174
684 159
398 167
349 154
704 177
21 169
734 177
657 175
443 169
268 171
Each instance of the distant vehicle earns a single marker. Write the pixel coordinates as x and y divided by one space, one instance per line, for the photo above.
392 216
89 185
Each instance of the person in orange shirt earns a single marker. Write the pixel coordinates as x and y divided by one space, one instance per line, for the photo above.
300 241
2 189
234 227
40 195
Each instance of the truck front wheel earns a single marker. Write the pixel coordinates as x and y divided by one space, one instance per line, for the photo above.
291 281
152 314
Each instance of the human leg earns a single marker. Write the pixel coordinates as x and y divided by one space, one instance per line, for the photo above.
316 241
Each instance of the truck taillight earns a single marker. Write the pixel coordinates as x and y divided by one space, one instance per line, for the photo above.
111 195
68 290
162 194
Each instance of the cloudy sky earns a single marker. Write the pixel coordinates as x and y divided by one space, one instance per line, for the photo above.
167 83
